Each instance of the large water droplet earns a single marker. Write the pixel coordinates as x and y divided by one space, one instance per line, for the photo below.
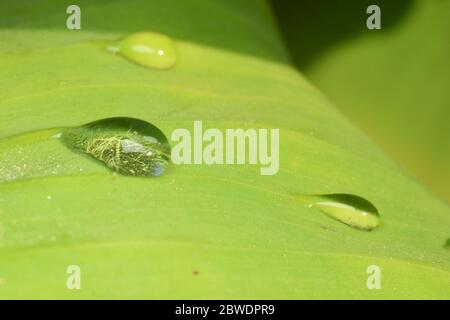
149 49
129 146
352 210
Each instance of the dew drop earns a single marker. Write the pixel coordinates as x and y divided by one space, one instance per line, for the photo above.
149 49
352 210
129 146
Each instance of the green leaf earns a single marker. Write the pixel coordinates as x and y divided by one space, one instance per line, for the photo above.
219 231
393 83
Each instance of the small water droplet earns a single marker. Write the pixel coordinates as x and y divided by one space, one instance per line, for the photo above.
129 146
49 197
149 49
352 210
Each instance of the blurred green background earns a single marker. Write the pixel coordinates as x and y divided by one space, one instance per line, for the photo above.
393 83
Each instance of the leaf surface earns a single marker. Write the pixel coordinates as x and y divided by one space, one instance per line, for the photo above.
219 231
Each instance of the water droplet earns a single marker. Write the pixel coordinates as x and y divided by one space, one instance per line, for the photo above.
352 210
149 49
129 146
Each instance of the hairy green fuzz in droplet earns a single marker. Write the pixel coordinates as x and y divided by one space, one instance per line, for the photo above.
129 146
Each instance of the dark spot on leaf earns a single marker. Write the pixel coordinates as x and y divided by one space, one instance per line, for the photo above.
326 228
195 273
447 244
